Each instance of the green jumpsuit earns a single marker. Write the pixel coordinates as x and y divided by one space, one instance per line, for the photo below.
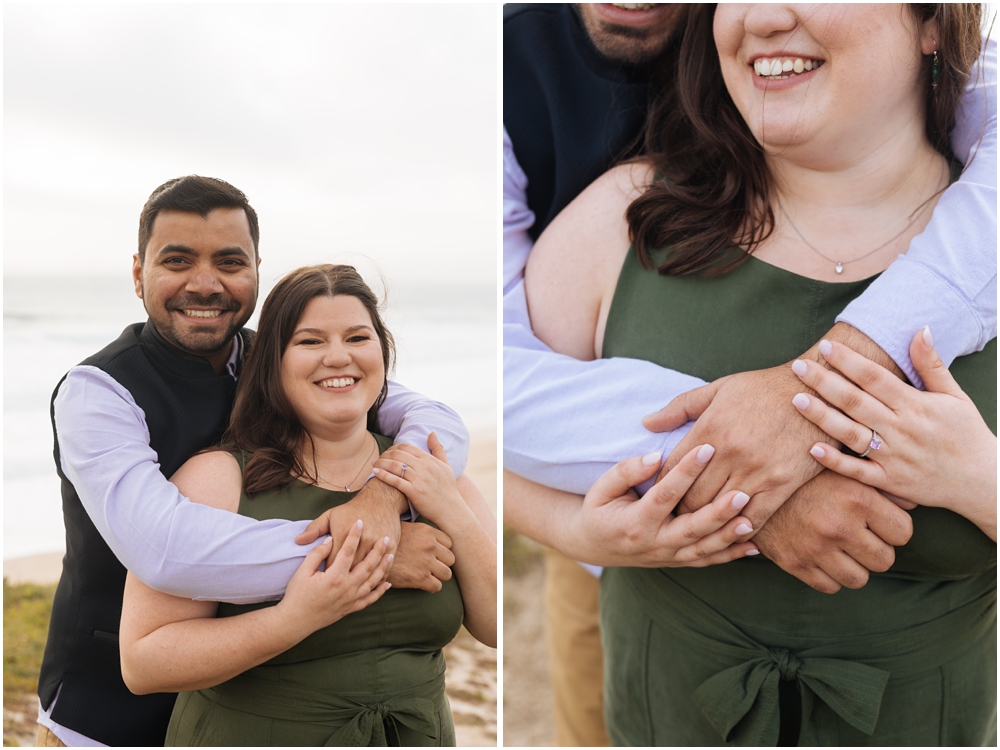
373 678
695 656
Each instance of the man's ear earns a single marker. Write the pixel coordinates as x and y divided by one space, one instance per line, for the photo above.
137 275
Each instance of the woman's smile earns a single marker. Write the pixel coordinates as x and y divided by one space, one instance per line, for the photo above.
332 369
778 72
337 384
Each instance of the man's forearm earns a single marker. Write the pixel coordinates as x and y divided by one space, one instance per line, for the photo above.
566 422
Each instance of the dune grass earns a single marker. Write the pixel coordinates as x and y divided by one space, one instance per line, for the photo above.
26 611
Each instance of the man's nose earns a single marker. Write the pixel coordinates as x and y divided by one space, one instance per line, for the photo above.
204 281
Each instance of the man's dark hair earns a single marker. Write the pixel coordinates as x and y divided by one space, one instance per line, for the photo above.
197 195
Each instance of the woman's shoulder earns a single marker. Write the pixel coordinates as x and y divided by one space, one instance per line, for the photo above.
594 222
212 478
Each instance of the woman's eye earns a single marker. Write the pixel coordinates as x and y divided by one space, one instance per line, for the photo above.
359 338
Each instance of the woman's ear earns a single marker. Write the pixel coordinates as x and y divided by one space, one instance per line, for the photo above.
930 37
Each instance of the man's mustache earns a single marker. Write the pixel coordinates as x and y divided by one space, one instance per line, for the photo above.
222 301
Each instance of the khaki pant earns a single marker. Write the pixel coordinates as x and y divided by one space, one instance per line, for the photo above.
47 739
574 642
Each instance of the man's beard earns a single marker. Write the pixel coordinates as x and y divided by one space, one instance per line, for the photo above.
201 342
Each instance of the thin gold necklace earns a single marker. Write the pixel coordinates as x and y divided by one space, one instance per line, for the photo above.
839 268
347 487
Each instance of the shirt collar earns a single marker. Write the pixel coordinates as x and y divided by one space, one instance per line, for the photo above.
234 356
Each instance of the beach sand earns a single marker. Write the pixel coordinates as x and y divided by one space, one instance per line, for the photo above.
472 667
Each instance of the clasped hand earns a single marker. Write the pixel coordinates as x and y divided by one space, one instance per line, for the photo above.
423 556
614 527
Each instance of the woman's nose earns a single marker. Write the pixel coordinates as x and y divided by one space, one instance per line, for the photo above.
764 19
336 355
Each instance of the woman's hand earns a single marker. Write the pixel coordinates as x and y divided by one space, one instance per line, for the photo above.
708 536
427 479
935 448
316 598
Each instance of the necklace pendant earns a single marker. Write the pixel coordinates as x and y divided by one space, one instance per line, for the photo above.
839 269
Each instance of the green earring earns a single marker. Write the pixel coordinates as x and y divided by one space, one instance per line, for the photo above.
934 71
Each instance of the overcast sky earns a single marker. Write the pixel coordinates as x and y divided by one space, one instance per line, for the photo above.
353 130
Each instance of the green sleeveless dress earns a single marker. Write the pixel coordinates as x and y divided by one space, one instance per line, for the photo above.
373 678
694 656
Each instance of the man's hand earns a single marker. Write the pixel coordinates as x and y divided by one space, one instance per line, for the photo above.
763 447
377 504
423 560
833 531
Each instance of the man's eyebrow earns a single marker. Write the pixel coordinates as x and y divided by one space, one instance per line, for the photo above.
220 253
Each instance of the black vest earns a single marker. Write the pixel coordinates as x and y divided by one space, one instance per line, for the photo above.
570 112
187 407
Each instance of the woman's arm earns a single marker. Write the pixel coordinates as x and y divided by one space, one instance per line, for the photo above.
935 449
574 267
459 510
170 644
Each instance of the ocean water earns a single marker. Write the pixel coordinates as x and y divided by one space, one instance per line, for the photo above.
446 338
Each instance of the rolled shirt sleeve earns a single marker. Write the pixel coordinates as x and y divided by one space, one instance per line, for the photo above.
948 277
411 417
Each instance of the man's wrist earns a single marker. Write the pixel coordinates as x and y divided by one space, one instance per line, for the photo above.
850 336
379 494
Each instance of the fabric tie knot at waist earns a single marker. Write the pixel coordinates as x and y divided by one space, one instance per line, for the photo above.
742 702
788 663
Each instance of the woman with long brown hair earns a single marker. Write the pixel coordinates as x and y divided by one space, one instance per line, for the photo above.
795 154
341 659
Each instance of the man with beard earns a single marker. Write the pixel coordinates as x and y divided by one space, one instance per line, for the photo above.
577 81
126 418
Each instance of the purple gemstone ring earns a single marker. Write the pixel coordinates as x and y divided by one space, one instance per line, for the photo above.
874 445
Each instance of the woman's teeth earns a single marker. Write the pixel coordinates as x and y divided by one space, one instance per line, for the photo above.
337 382
776 68
634 6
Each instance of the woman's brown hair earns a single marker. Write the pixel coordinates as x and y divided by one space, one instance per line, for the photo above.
263 422
718 188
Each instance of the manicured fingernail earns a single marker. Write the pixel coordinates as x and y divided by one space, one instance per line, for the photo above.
743 529
390 558
740 500
801 401
928 339
652 458
825 347
386 541
705 454
361 524
375 471
752 552
388 586
817 452
799 367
